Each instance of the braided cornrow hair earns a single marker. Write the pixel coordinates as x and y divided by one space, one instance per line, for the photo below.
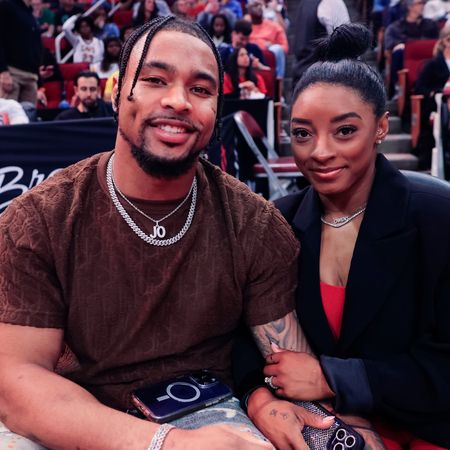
169 23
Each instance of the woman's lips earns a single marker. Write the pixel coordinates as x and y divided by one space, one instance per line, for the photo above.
326 173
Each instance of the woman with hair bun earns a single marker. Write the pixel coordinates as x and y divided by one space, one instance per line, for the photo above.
373 295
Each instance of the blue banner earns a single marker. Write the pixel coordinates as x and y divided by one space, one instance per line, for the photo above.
31 153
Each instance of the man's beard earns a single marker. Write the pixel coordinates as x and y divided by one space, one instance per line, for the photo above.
90 104
158 166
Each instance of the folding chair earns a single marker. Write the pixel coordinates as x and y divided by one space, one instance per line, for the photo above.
274 167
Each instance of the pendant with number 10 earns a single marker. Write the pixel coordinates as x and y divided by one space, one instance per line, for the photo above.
158 232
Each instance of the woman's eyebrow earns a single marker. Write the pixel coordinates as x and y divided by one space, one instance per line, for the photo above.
342 117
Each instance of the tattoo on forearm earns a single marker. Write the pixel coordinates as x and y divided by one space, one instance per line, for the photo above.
284 332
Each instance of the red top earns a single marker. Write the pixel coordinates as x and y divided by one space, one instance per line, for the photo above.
333 299
228 87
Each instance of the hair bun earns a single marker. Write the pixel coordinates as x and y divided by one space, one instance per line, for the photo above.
348 41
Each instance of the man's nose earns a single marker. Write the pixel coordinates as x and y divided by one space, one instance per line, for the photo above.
176 98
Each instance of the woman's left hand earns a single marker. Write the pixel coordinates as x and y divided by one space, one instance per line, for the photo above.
298 375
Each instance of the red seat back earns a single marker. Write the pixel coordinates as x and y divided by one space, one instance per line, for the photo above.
251 124
416 54
269 59
48 43
102 85
70 90
70 70
269 81
53 91
123 18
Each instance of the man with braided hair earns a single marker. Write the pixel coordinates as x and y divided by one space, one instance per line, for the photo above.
141 263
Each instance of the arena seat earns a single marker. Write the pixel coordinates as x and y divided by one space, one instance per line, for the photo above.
48 43
53 92
415 55
274 167
269 81
70 70
123 18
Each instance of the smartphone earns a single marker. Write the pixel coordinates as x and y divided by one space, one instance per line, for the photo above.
169 400
339 436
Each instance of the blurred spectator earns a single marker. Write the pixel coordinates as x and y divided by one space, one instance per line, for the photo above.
49 68
104 27
276 11
239 80
411 27
66 9
163 7
396 10
110 61
125 33
87 99
48 71
220 30
12 113
87 48
376 17
436 9
148 10
268 35
431 80
180 8
212 8
240 37
234 6
314 19
20 51
110 83
44 16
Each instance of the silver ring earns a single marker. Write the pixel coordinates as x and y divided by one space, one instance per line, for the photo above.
269 382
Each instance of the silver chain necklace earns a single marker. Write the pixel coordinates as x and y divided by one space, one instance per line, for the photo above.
341 221
158 230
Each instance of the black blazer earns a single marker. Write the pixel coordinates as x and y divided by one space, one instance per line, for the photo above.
396 321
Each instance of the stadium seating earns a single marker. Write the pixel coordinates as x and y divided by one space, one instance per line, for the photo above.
415 55
274 167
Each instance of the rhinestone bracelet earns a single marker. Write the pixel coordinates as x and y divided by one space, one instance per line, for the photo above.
160 436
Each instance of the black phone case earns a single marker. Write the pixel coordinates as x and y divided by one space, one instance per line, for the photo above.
175 398
339 436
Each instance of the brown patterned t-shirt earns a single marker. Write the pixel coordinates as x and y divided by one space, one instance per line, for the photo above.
133 313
